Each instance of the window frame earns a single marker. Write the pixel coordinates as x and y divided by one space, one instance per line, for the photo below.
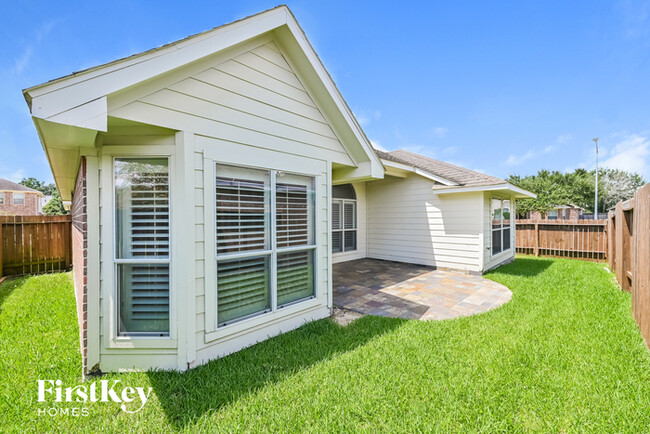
213 326
2 197
140 261
110 338
342 229
13 198
502 226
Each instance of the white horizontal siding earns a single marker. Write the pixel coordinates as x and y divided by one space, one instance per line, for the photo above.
254 99
407 222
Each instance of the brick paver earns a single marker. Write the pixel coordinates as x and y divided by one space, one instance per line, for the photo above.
400 290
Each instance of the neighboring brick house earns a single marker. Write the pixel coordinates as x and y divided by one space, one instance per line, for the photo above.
16 199
564 212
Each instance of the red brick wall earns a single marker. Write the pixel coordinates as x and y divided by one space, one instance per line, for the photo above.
80 258
29 208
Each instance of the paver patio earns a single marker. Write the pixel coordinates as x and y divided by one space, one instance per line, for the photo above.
399 290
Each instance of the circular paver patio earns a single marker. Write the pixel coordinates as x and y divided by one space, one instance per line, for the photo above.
399 290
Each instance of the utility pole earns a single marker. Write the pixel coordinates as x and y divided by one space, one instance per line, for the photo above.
596 199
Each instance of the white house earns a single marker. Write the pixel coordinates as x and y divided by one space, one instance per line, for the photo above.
213 182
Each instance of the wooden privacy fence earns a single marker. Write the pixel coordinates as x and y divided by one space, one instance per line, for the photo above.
629 253
581 239
34 244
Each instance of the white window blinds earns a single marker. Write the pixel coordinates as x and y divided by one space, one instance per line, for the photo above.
344 225
254 231
242 209
142 235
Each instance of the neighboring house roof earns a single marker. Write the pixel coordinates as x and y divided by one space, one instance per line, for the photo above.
454 179
568 206
70 111
6 185
458 175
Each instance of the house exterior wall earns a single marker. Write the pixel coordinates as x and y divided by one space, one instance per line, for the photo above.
489 260
571 214
78 211
32 204
249 109
361 252
408 222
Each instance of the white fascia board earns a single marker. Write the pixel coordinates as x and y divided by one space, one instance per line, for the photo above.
335 94
519 193
418 171
64 94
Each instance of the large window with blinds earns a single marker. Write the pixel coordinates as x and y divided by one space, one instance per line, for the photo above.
344 218
265 241
142 245
500 226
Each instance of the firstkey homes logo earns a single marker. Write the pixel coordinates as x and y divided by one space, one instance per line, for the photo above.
131 399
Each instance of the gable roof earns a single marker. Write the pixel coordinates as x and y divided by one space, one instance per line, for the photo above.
69 111
458 175
6 185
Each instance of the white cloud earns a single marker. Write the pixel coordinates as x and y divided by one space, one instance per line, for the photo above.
564 138
631 154
367 116
375 144
22 62
439 132
15 175
516 160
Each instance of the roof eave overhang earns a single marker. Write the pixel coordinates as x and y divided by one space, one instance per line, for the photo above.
506 189
79 101
405 167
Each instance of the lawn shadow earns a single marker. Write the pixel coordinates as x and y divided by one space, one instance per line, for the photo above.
524 266
185 397
7 287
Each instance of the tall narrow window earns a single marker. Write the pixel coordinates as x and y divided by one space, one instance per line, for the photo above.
2 198
142 245
295 238
500 225
344 218
243 242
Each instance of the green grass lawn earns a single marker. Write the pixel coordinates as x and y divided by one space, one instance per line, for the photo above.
563 355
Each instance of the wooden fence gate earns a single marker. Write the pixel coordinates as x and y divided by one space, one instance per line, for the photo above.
35 244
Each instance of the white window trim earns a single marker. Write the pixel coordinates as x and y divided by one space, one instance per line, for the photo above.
215 332
512 228
110 337
343 230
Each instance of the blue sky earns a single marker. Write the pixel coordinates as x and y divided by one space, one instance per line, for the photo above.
500 87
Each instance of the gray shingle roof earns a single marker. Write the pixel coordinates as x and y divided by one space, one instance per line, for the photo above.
457 174
6 185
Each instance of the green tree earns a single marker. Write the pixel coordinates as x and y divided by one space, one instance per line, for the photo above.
46 189
577 187
55 205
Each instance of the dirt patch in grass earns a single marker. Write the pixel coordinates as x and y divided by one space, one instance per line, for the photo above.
344 317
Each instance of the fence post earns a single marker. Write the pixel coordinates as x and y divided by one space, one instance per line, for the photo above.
536 248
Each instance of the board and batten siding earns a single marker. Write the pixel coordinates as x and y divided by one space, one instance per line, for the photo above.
361 252
408 222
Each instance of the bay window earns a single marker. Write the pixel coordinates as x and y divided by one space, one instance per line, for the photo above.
142 245
265 241
500 225
344 218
